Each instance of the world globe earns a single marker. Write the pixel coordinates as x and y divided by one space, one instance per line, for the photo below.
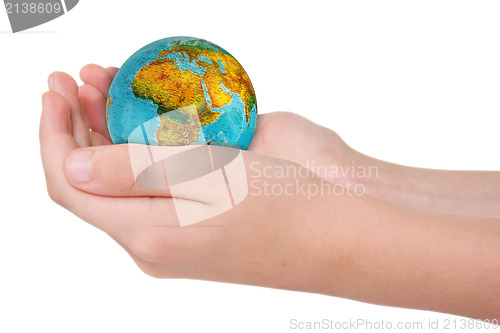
182 91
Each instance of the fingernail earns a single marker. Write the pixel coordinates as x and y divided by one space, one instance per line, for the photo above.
49 82
79 166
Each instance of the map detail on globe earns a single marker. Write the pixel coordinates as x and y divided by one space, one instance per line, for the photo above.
182 91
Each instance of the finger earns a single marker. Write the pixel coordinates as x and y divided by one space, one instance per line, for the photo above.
94 108
66 86
188 172
109 171
56 134
56 142
112 71
97 139
97 76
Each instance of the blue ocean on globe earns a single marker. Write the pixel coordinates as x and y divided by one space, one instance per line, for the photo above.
182 91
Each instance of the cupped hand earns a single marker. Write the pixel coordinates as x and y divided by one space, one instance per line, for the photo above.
254 238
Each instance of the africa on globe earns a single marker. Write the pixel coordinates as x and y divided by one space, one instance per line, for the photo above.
182 91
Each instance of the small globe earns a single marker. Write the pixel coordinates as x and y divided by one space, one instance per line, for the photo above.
182 91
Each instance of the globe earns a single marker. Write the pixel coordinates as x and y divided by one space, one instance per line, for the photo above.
182 91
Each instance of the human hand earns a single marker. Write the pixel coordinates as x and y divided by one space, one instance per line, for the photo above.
96 181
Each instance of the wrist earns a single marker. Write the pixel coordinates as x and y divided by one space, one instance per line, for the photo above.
384 180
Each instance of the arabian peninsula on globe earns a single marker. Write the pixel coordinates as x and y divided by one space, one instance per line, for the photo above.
182 91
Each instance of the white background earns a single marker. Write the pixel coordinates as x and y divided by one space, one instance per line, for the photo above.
412 82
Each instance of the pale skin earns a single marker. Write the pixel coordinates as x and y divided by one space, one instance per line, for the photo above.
422 239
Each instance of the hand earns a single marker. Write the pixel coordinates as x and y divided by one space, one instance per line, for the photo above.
96 181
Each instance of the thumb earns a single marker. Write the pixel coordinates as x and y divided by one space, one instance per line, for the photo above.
187 172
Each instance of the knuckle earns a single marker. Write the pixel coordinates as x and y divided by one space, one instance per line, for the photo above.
113 170
123 179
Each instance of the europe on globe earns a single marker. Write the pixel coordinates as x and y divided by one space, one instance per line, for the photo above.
182 91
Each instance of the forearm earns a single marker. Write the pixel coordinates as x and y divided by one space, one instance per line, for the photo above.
405 258
456 192
367 249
